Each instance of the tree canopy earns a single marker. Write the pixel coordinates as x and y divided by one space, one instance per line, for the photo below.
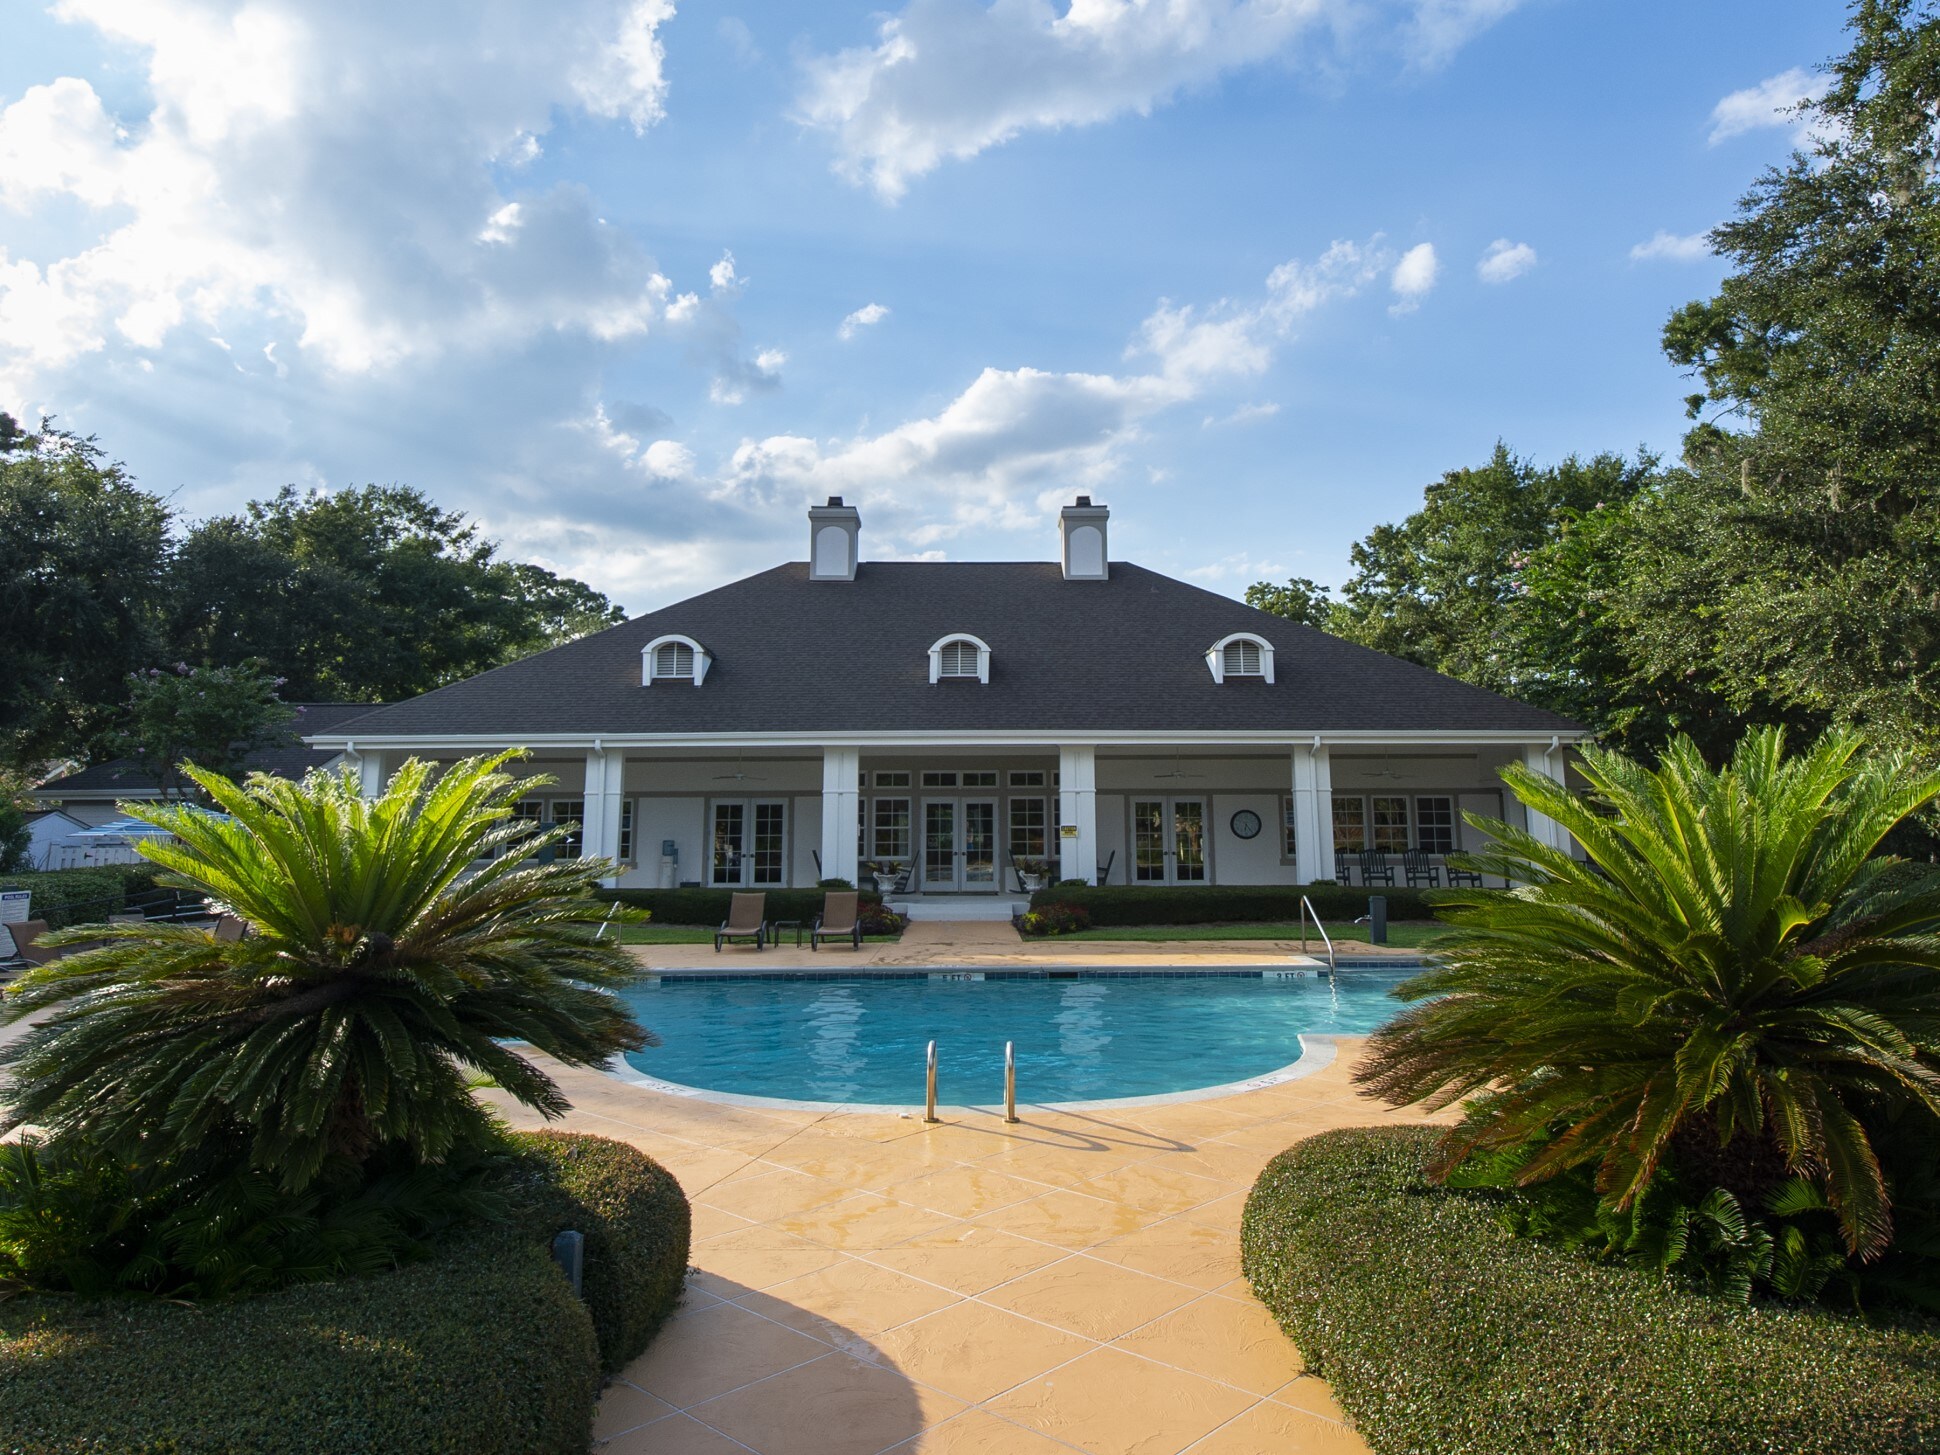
1787 569
359 595
366 594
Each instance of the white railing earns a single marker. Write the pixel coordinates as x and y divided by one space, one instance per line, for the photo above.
1307 909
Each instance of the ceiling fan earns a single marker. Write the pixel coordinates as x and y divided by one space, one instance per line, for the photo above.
1178 771
740 776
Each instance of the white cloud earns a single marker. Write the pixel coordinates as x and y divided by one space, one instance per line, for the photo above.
624 76
867 316
1016 442
1245 414
295 175
1771 103
721 275
1504 261
951 78
669 459
1414 277
1670 247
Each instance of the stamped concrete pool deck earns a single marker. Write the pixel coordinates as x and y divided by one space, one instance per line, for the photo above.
866 1283
939 943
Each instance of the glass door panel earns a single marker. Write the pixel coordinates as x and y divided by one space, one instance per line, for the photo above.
979 843
729 825
1189 841
939 844
1148 841
770 839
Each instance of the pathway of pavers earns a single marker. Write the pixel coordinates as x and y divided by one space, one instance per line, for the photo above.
866 1283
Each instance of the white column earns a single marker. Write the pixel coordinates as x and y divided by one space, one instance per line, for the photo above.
605 788
1547 760
1078 808
373 772
1313 813
841 802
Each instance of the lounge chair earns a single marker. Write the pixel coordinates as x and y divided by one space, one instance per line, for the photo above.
1343 872
840 919
1421 869
1460 877
745 921
26 939
1375 868
230 928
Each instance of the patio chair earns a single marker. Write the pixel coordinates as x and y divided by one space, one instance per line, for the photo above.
1375 868
1104 869
840 919
1343 869
1460 877
1421 869
230 928
746 921
26 940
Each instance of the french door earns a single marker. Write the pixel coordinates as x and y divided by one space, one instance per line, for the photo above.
1168 841
750 846
960 845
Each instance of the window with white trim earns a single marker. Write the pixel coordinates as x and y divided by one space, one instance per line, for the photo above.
1435 824
1240 655
673 659
1243 659
960 657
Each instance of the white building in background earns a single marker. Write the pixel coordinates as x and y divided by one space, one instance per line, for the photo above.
951 726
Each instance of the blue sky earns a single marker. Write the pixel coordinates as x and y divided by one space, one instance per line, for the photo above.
635 281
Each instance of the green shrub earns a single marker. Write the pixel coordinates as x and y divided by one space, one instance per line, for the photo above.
1057 918
1205 904
66 897
710 906
479 1350
1443 1332
636 1223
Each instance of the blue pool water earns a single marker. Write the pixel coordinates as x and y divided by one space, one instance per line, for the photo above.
1084 1039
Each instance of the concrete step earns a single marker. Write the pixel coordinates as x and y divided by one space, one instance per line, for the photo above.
976 908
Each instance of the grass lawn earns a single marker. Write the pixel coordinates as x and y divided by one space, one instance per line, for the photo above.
1406 935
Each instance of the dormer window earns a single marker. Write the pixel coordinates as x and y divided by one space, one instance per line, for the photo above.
674 659
960 658
1240 655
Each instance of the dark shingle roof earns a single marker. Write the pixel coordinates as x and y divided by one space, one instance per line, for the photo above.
798 656
127 778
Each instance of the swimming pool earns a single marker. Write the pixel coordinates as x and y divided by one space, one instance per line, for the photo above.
1083 1038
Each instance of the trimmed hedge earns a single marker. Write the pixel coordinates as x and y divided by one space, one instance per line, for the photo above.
1442 1332
480 1350
66 897
637 1226
710 906
1205 904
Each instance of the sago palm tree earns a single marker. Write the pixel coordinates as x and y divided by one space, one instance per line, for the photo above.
1730 981
398 946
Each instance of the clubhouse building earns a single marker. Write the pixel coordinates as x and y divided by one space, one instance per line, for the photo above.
974 729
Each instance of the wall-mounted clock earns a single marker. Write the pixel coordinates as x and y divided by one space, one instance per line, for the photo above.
1246 824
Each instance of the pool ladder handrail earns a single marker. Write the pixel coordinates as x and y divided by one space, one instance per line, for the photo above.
1307 909
929 1084
1010 1082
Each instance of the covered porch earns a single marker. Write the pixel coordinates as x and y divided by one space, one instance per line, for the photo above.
939 822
